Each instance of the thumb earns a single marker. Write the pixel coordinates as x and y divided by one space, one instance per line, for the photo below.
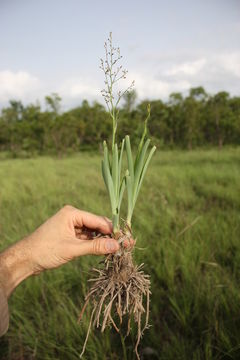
98 246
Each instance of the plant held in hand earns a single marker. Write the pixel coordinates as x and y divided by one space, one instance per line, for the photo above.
120 287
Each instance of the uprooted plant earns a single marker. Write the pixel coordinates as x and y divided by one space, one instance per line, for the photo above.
120 288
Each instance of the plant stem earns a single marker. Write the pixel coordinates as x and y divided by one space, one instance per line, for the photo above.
115 223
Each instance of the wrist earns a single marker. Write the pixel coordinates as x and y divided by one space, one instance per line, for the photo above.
15 266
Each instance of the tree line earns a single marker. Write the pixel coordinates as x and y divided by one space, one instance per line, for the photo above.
195 120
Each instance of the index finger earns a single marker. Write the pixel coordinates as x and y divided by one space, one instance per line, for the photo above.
93 222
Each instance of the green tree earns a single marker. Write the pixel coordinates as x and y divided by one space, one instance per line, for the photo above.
234 104
175 119
221 115
129 100
53 103
193 105
14 112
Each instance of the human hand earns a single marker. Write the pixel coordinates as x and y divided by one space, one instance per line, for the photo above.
66 235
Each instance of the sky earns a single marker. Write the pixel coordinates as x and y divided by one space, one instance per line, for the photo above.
167 46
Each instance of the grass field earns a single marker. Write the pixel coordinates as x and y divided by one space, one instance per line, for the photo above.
188 235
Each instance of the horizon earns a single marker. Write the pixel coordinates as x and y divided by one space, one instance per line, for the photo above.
166 48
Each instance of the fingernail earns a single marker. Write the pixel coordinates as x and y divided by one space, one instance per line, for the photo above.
111 245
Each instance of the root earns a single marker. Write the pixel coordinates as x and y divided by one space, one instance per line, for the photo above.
88 332
119 288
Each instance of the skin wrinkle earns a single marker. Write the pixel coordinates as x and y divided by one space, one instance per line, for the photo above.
96 246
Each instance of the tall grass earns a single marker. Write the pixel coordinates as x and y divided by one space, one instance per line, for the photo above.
187 223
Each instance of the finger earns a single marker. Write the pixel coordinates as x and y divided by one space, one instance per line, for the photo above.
83 236
129 242
84 233
92 221
97 246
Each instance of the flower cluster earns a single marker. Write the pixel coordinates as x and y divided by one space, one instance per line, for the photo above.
113 74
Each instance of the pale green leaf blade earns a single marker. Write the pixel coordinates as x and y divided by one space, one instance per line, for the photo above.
130 159
109 179
104 175
129 196
120 162
139 167
121 192
115 170
144 171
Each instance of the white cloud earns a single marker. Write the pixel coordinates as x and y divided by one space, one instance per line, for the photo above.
159 77
74 90
151 87
79 88
187 68
156 78
215 72
230 63
18 85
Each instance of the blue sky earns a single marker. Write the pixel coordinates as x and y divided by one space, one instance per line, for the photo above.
55 46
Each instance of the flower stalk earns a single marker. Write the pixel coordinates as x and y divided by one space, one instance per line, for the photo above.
112 160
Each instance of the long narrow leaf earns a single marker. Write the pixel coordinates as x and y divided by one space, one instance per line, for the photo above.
120 163
109 179
115 170
121 192
139 167
104 175
130 159
143 172
105 150
129 195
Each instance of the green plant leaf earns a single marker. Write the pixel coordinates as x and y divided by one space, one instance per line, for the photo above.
121 192
130 159
139 167
105 153
104 175
107 172
115 170
130 196
120 163
144 171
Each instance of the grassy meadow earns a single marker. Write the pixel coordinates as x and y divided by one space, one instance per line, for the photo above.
187 225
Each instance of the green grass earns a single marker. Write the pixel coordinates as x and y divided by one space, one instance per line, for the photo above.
187 224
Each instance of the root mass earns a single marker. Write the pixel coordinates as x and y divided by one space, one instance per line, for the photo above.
118 289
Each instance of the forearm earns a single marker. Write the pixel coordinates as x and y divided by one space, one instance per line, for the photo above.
15 266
